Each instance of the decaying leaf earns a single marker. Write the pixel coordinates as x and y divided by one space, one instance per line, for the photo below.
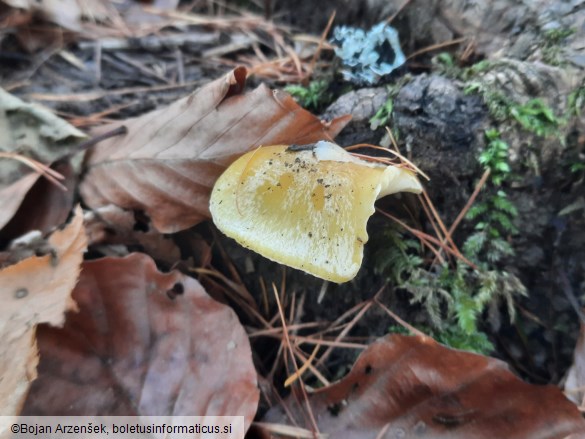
112 225
413 387
12 195
66 13
168 162
31 131
143 343
306 207
35 290
44 206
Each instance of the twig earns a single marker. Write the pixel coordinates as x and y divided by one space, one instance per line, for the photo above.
100 137
93 96
400 9
154 42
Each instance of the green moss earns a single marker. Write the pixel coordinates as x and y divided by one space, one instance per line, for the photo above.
576 102
384 114
314 97
534 116
552 50
453 337
537 117
454 297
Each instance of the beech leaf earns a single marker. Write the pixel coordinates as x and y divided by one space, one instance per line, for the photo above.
144 343
35 290
170 158
405 386
42 205
31 131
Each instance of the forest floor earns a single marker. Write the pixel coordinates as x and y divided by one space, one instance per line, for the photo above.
489 104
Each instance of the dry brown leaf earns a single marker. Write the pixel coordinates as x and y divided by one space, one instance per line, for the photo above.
42 207
11 196
112 225
143 343
168 162
66 13
36 290
413 387
31 131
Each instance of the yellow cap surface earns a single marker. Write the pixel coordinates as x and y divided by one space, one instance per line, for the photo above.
306 207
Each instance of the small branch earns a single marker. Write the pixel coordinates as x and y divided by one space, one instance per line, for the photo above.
100 137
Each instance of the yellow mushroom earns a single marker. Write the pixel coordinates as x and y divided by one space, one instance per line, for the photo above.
305 206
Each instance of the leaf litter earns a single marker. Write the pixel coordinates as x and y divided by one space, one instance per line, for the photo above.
33 291
32 139
102 280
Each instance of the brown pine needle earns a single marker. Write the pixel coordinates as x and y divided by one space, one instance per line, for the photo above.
400 9
337 344
278 331
436 47
321 41
286 340
295 376
437 217
468 205
395 153
40 168
400 321
302 357
427 237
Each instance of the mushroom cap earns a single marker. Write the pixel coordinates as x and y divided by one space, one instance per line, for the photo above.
305 206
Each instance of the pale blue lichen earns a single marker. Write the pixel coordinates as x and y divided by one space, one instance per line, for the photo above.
367 56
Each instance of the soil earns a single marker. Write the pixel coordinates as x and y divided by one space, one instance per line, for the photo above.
442 130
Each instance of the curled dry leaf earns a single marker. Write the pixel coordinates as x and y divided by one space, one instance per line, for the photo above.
168 162
111 225
35 290
143 343
43 206
413 387
66 13
305 206
35 132
12 195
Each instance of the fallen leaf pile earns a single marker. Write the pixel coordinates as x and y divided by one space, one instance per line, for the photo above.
126 329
